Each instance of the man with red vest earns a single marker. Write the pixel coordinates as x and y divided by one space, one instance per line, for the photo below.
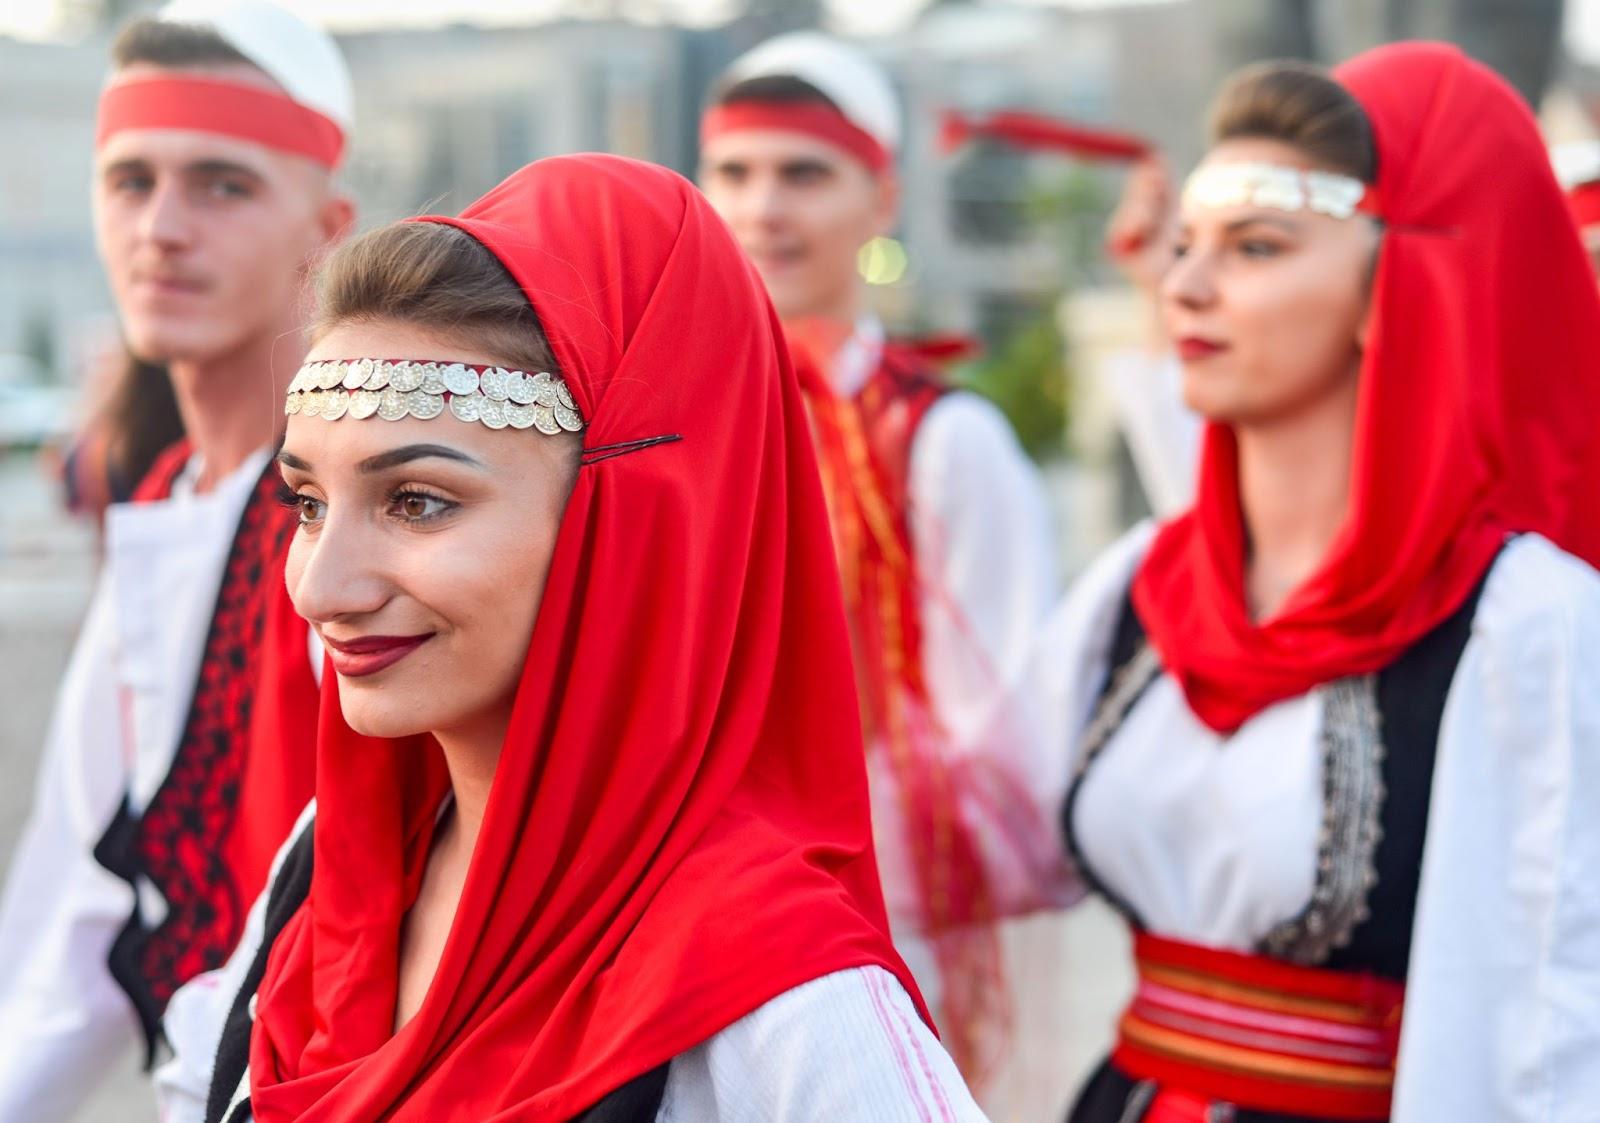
940 521
181 747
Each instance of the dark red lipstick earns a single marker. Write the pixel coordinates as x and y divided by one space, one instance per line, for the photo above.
367 655
1193 348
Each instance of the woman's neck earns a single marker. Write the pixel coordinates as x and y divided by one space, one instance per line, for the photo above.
471 754
1294 491
233 405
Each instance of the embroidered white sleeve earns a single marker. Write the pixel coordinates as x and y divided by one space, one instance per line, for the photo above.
198 1011
845 1048
1014 775
62 1016
1502 1018
980 524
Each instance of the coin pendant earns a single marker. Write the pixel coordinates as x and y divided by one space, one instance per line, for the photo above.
406 377
425 406
492 413
466 407
392 404
458 379
363 404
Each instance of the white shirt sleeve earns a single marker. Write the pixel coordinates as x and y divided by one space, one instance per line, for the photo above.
845 1048
1163 434
980 524
1013 776
62 1017
1502 1019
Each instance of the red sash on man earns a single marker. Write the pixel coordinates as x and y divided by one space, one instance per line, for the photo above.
864 455
242 773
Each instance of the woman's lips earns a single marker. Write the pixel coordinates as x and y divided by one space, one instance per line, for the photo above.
367 655
1192 348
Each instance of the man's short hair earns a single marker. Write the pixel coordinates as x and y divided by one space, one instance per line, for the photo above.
162 43
781 89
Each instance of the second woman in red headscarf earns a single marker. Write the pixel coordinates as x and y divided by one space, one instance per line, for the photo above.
1327 739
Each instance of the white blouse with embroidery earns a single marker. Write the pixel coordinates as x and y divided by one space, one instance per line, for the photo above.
1215 840
844 1048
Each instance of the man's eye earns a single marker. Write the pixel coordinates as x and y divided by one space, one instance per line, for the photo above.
227 189
132 185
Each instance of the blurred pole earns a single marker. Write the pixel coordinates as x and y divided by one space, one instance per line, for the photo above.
1519 38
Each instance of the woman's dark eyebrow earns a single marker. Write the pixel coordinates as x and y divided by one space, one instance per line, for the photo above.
290 460
407 453
1287 225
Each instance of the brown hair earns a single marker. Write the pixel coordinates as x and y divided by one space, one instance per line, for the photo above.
1300 105
783 89
142 420
161 43
437 277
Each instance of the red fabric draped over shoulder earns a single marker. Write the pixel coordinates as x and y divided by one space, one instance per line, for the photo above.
1476 414
678 829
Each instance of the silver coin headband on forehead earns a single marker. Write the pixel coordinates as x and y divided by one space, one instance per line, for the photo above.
394 389
1282 188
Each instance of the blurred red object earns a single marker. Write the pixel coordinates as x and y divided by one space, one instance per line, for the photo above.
1041 133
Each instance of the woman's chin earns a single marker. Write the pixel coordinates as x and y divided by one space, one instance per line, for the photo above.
372 717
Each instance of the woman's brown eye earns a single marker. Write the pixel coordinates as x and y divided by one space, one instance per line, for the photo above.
414 506
310 509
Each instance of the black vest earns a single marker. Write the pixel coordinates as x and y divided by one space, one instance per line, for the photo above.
1411 695
638 1101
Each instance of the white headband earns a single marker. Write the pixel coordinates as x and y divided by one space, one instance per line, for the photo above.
1277 186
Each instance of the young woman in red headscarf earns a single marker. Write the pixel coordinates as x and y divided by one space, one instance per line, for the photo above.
591 836
1330 739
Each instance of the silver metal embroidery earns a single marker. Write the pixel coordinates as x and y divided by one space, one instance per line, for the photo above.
1353 795
1126 686
494 396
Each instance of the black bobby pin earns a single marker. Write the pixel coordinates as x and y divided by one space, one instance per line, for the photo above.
598 453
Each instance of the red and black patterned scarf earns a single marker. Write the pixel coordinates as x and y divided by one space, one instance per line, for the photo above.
241 773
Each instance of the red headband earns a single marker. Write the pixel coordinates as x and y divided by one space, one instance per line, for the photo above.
1584 203
820 121
208 105
1038 132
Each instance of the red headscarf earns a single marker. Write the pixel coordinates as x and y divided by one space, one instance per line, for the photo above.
678 828
1476 418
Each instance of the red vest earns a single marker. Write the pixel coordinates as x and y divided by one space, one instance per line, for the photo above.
243 770
864 455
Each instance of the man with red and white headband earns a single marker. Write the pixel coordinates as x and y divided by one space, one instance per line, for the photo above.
940 521
180 750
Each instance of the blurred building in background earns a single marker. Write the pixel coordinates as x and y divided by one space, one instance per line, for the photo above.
990 240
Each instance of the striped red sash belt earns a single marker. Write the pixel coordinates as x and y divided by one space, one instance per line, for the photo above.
1260 1033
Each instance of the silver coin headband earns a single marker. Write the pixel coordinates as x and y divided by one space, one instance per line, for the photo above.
1282 188
393 389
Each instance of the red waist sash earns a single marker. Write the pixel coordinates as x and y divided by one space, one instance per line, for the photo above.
1260 1033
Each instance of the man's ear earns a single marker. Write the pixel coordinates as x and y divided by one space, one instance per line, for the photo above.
336 218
